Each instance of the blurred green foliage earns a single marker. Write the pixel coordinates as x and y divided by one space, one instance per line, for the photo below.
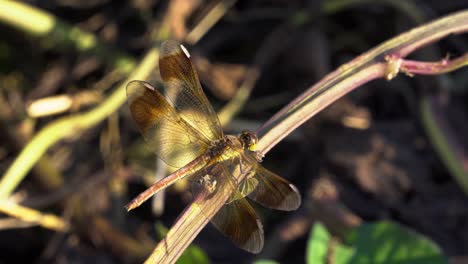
193 254
381 242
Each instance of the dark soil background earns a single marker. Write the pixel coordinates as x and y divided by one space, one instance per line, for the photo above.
365 158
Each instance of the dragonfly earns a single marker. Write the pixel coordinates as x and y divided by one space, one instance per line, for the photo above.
181 127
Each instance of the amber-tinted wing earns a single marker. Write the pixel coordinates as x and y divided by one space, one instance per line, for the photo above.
237 166
273 191
172 138
183 87
239 222
237 219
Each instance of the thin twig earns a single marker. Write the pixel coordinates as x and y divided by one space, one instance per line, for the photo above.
268 51
444 140
118 241
209 20
369 66
54 32
70 126
433 68
409 8
32 216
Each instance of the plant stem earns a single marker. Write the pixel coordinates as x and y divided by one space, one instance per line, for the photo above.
32 216
433 68
209 20
444 141
55 33
71 126
409 8
194 218
370 65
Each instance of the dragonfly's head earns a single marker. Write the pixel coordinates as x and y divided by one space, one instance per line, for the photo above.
249 140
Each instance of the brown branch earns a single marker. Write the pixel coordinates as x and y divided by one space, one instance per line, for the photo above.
432 68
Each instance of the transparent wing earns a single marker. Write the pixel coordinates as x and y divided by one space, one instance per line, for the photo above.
237 219
248 185
172 139
273 191
237 166
183 87
239 222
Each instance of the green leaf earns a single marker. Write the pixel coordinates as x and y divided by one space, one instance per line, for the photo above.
193 254
342 254
317 247
387 242
381 242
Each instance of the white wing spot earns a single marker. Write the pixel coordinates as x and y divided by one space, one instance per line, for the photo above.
185 51
148 86
259 224
293 187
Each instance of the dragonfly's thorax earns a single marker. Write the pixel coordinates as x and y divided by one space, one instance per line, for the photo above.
230 147
227 146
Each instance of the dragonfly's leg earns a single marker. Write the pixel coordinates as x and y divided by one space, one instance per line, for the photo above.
258 156
204 182
209 183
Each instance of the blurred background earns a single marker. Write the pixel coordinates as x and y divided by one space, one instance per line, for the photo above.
388 156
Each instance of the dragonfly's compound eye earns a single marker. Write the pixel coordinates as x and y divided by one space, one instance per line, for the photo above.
249 140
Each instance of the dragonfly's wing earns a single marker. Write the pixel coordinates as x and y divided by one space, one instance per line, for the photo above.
183 88
273 191
236 166
247 186
237 219
173 139
239 222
